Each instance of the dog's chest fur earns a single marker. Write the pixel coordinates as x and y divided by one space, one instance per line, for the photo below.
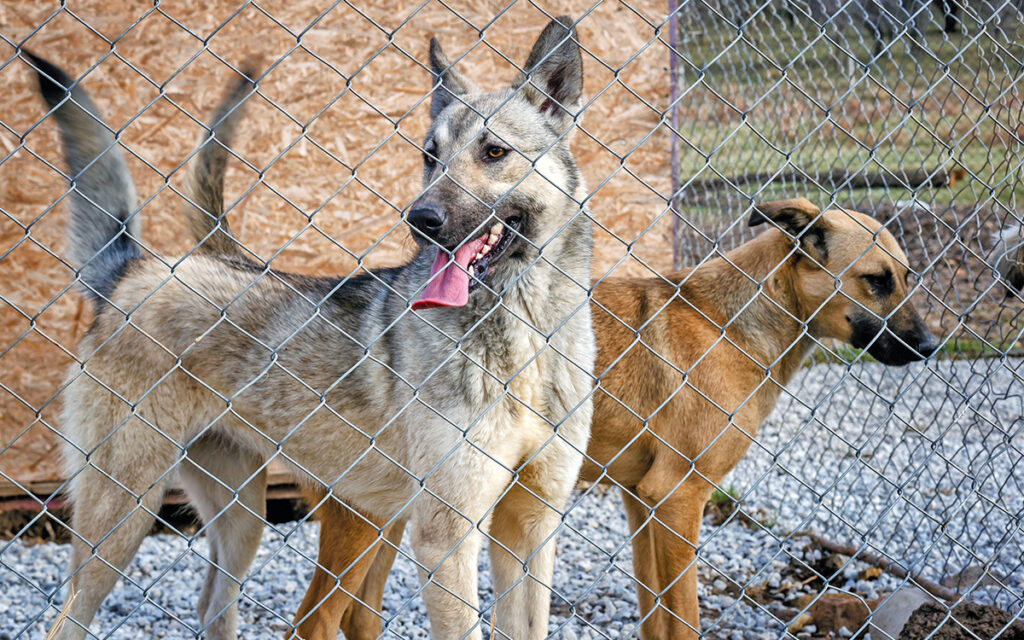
517 373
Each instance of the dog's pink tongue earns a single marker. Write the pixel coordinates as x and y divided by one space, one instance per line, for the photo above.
449 279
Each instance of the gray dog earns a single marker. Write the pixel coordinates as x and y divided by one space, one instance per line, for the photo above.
452 392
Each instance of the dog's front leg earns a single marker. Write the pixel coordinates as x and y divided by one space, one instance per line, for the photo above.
523 536
446 541
523 530
664 546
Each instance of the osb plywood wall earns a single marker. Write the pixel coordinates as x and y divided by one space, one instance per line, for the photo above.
337 165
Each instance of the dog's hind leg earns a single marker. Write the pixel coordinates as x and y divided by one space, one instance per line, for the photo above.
117 490
228 488
109 529
672 534
363 619
644 556
523 535
347 540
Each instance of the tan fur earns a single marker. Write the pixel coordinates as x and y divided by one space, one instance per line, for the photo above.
666 441
204 182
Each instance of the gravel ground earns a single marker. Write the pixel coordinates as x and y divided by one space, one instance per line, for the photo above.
924 463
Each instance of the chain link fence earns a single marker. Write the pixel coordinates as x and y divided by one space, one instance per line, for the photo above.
867 491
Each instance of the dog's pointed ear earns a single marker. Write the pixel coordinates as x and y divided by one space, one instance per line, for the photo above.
800 218
552 77
448 82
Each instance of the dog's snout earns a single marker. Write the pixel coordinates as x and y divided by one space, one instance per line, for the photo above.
427 218
923 341
927 345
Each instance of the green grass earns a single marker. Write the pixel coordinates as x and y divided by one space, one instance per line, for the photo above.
907 110
721 498
723 504
785 100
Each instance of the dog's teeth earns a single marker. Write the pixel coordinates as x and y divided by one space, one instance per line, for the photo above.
496 229
493 239
485 250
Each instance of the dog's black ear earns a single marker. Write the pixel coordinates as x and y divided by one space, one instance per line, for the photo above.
552 77
800 218
448 82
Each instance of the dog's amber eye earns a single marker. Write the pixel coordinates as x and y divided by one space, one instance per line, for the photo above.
429 155
495 152
881 283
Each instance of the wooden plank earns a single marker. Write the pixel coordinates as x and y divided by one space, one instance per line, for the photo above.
279 481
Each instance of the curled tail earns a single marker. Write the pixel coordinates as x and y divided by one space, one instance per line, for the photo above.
103 230
204 186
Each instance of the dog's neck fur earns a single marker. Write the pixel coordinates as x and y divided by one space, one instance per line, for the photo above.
763 319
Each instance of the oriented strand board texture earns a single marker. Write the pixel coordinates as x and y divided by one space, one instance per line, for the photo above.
329 148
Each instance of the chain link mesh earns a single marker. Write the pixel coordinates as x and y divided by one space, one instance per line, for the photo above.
866 484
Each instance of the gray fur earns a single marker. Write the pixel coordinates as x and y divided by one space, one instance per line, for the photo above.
539 170
204 189
393 410
104 231
449 83
552 77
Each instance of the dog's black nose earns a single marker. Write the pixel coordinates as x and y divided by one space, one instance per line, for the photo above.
427 218
927 345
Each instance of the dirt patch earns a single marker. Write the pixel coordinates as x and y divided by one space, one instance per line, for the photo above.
982 621
32 526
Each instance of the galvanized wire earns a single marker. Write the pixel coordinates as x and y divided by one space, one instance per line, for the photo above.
905 109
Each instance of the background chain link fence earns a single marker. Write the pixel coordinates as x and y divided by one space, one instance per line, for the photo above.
904 109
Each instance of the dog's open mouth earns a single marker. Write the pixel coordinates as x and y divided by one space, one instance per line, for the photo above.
499 239
450 278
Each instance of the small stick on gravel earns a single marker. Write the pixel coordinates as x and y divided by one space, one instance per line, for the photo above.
936 590
63 615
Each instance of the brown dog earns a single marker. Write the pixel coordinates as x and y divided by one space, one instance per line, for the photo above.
689 368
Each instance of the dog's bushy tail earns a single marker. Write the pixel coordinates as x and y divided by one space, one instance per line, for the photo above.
103 230
204 186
